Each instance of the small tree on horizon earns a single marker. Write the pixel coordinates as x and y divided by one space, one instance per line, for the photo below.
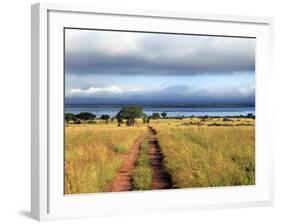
85 116
155 115
164 115
70 117
204 118
250 115
105 117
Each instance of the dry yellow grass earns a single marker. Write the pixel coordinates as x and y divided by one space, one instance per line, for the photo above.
208 156
195 153
94 153
208 121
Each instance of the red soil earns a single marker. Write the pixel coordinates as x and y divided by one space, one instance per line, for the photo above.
123 180
160 178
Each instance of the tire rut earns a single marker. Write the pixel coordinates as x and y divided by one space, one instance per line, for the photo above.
123 180
160 177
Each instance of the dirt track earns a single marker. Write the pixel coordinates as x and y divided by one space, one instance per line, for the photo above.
160 178
123 180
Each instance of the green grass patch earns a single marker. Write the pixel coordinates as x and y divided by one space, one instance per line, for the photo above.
142 176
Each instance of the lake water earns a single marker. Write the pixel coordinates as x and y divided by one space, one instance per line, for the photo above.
171 111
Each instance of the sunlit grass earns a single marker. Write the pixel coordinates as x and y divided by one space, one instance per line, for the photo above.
208 156
195 153
94 153
142 175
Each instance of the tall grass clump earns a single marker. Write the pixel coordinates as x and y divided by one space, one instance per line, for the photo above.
209 156
142 175
94 154
120 148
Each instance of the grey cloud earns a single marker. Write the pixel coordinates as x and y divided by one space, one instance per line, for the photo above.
101 52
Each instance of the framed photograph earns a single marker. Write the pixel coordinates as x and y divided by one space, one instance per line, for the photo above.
148 111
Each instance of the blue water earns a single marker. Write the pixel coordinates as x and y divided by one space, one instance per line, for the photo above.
171 111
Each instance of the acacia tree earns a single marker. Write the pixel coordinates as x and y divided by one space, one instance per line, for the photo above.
129 113
86 116
164 115
155 115
250 115
105 117
69 117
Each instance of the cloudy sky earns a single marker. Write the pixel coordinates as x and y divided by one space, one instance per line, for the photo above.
129 67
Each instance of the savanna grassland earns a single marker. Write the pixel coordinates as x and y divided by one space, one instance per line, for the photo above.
94 153
208 156
195 152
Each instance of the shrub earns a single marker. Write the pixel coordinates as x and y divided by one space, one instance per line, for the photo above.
218 124
226 119
205 118
148 120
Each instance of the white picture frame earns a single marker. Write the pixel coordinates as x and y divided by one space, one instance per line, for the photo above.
48 201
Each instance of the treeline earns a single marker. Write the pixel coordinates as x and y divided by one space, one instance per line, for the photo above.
84 117
127 115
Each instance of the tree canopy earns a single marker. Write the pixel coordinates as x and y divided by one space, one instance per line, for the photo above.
69 117
105 117
86 116
164 115
129 113
155 115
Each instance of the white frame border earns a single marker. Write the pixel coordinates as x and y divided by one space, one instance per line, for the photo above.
40 86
